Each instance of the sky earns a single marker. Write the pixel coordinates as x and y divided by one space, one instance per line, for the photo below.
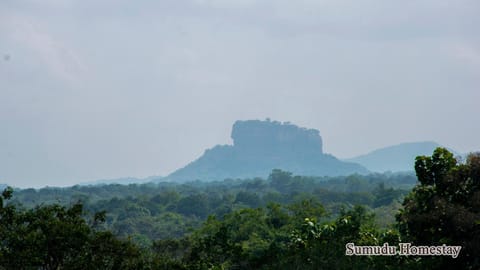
101 89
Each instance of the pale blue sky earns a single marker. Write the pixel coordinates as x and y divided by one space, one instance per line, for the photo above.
93 89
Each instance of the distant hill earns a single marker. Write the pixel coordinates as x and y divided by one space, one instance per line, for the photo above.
260 146
121 181
395 158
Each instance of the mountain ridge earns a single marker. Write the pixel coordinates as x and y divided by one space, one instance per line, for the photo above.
396 158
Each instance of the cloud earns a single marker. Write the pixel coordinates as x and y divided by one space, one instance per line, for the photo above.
28 33
467 53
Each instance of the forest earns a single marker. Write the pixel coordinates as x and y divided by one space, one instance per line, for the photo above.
285 221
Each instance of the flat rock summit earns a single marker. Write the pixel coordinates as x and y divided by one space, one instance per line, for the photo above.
260 146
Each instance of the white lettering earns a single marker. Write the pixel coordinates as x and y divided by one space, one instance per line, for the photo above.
404 249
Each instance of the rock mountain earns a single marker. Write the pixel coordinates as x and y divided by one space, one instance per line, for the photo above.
260 146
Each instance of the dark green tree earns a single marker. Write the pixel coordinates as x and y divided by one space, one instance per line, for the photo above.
59 237
444 208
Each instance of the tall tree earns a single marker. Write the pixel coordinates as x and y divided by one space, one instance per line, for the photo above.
444 208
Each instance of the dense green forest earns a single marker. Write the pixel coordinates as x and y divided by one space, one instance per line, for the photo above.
283 222
148 212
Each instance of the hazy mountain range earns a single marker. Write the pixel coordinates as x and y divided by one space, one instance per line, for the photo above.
122 181
400 157
261 146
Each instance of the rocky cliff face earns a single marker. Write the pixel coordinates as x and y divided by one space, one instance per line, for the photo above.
275 137
260 146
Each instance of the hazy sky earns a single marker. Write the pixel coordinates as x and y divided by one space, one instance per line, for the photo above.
93 89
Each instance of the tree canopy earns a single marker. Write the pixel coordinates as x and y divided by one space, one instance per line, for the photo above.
283 222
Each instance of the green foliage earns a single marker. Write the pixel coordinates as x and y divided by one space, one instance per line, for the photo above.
193 205
432 170
158 211
279 238
444 208
58 237
283 222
